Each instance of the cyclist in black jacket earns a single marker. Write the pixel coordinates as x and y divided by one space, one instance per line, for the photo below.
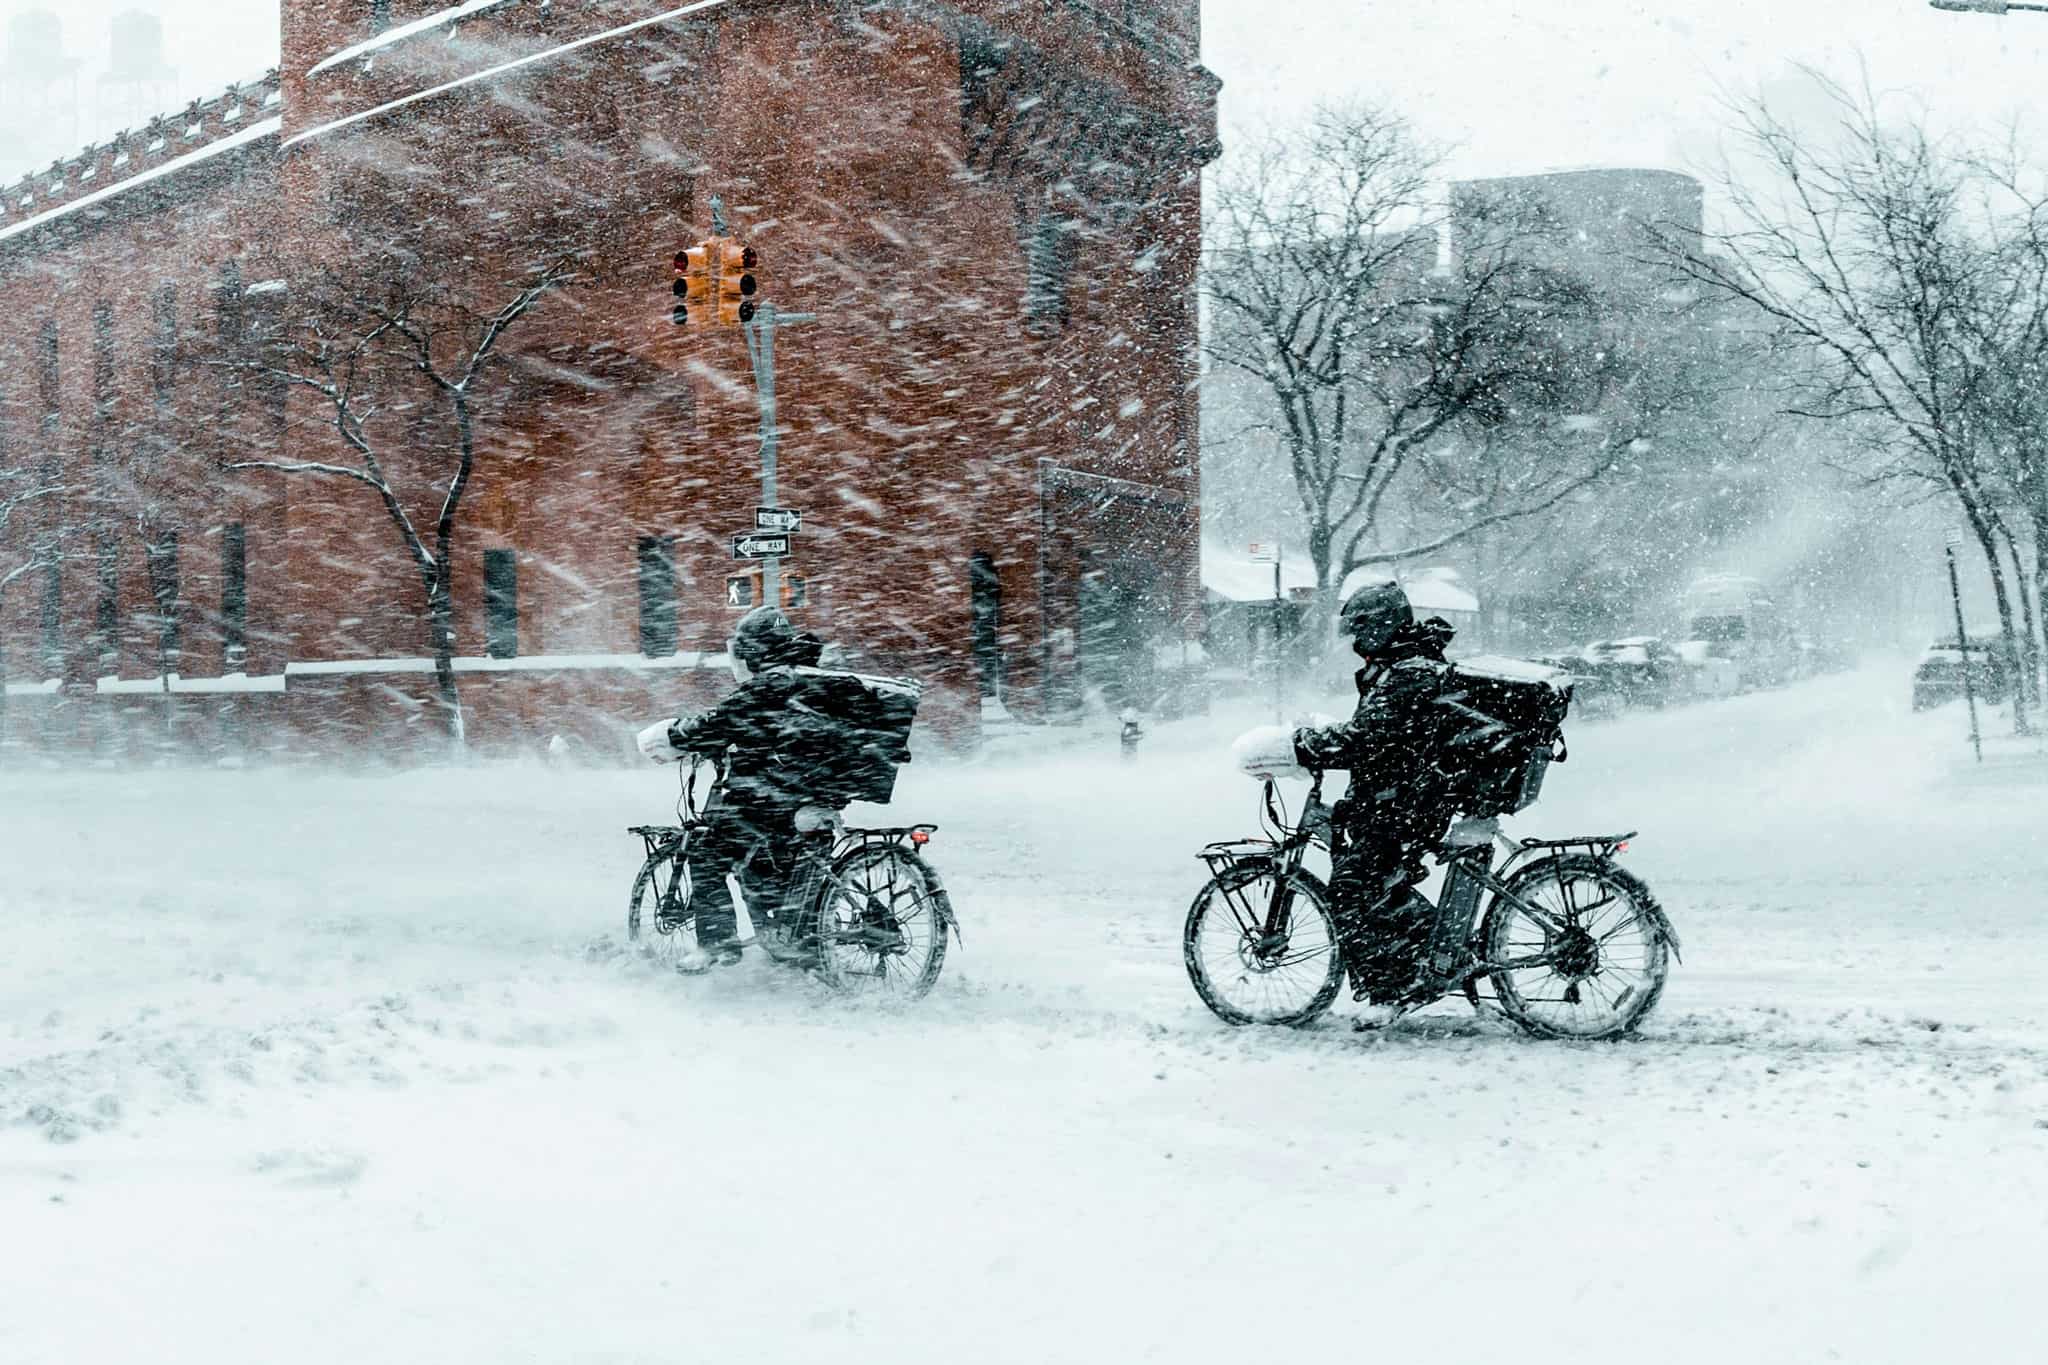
769 735
1397 804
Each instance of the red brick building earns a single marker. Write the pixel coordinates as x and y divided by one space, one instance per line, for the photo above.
992 208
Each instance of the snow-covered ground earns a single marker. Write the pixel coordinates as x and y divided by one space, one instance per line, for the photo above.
307 1068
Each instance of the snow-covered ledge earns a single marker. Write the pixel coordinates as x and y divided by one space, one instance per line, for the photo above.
401 32
229 682
527 663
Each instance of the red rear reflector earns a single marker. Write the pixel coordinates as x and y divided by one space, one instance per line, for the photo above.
1621 847
919 836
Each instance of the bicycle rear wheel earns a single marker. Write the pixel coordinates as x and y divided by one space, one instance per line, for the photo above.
882 918
1604 966
1247 976
659 925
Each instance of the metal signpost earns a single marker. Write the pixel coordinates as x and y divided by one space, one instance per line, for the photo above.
715 286
1261 552
760 334
1955 591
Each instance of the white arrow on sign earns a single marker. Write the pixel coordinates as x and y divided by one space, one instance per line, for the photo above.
778 519
760 545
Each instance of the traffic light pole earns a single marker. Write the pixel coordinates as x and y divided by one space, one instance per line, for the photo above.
760 335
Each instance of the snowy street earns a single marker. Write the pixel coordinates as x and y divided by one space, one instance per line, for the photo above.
308 1068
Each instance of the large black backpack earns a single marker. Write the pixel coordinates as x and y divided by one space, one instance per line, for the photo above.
1503 729
857 735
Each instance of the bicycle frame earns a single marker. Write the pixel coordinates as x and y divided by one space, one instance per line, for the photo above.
819 845
1472 885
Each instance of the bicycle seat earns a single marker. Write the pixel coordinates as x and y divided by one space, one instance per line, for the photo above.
811 819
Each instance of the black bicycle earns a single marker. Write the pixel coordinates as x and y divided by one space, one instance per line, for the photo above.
1570 944
862 908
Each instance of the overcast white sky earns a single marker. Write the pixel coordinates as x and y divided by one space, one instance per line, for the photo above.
1520 86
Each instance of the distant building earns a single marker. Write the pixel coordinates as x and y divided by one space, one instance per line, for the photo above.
991 431
1602 222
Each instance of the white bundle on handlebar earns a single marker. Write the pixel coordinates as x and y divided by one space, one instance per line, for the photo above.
1266 752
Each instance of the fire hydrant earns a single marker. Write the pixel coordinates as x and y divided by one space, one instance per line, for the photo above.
1131 731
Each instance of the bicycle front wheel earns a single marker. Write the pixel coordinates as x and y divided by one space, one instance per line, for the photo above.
1248 975
1599 965
658 922
882 918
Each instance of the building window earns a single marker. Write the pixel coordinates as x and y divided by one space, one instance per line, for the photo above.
985 605
47 379
501 604
231 308
161 557
164 355
1048 261
107 615
234 598
102 360
53 618
380 15
657 596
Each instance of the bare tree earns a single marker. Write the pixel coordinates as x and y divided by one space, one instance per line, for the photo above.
21 553
1328 303
1870 254
346 352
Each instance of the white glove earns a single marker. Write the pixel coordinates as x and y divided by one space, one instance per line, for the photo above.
1267 751
654 742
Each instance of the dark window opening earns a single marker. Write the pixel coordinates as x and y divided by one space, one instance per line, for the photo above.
234 598
380 15
163 367
985 605
161 555
107 614
501 604
233 324
102 360
53 619
47 378
1049 258
657 596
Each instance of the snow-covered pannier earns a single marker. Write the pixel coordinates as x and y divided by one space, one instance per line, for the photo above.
1506 730
856 756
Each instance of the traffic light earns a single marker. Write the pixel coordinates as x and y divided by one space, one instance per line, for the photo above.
736 282
693 285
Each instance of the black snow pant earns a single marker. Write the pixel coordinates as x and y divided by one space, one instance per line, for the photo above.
1383 925
744 839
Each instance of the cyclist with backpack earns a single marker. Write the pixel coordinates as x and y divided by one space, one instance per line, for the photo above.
779 737
1399 801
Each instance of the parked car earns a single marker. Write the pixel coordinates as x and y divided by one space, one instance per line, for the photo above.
1938 677
1640 670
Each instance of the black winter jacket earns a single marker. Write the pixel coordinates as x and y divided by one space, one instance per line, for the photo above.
770 732
1392 745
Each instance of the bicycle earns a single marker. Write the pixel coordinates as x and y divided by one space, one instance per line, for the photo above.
1605 951
862 909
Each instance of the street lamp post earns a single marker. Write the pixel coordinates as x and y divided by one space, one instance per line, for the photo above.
1983 6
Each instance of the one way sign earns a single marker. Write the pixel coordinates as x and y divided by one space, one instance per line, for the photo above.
760 545
778 519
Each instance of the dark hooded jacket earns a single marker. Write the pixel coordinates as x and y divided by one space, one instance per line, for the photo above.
1392 744
773 732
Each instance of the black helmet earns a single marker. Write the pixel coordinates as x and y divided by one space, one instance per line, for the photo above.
1373 615
764 636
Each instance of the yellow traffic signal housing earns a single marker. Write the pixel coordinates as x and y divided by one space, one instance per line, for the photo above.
737 283
693 286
